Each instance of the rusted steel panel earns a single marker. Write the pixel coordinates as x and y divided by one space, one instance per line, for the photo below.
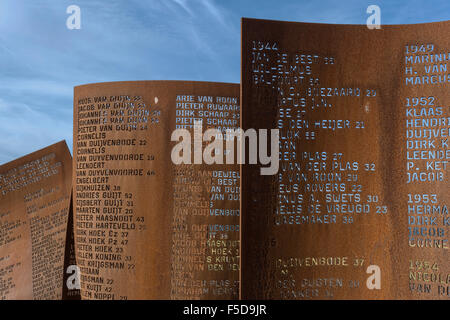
358 208
34 207
146 228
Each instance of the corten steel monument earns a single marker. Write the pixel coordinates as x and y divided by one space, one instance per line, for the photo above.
359 207
144 227
34 205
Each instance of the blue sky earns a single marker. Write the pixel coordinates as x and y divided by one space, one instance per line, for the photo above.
41 60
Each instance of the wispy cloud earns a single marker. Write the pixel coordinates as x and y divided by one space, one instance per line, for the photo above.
37 86
216 12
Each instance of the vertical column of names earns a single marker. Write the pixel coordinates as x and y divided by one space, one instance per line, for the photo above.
112 145
205 250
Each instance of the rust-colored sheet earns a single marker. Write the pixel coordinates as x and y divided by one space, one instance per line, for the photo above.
34 206
359 206
146 228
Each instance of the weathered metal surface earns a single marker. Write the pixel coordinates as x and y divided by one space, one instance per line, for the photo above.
363 180
146 228
34 206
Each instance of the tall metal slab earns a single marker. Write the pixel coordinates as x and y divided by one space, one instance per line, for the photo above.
146 228
359 206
